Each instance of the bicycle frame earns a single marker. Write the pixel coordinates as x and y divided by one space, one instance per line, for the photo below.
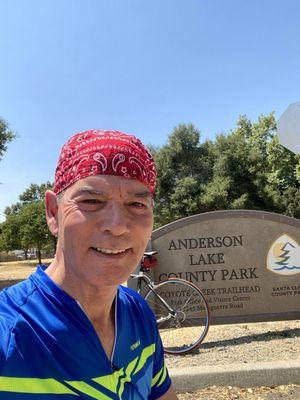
144 278
173 314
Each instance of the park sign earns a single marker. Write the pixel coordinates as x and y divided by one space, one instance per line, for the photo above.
247 263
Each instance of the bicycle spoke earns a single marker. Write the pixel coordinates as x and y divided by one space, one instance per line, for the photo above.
186 303
181 330
156 303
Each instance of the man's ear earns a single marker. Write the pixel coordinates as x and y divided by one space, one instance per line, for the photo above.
51 204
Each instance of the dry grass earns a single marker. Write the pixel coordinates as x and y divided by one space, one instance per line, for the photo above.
18 269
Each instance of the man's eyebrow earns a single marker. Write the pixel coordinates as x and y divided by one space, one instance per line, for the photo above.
144 193
88 190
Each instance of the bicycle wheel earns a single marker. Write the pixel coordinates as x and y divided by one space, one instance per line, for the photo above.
182 314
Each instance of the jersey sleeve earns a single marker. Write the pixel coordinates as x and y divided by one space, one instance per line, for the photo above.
161 381
7 321
4 340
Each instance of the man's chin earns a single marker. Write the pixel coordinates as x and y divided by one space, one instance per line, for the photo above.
108 273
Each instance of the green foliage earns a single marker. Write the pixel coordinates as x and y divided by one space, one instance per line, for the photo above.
33 226
239 170
25 226
290 202
35 192
10 238
2 248
13 209
6 136
183 167
246 169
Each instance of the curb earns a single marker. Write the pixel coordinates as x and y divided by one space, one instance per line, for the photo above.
240 375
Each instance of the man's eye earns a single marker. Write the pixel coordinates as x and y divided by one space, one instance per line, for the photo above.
91 201
90 204
137 204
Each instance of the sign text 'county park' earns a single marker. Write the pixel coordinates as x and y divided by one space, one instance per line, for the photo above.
247 263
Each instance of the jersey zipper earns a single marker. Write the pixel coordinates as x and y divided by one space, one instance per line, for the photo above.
116 333
110 361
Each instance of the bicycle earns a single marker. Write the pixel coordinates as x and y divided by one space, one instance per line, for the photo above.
181 310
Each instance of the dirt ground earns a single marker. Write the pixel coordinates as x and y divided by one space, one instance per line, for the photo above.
288 392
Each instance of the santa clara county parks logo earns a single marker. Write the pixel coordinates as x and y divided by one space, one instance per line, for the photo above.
284 256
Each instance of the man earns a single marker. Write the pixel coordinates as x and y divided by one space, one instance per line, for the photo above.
71 331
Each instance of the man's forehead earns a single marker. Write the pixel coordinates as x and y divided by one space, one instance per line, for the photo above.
102 184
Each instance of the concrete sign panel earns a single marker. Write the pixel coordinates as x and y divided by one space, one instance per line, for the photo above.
247 263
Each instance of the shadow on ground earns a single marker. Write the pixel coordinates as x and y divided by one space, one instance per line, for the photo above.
262 337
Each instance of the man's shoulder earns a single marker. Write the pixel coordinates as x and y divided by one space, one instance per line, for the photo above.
135 301
13 298
19 291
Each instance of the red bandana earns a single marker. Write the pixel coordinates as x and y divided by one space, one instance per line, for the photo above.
104 153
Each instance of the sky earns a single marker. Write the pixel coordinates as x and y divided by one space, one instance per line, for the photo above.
138 66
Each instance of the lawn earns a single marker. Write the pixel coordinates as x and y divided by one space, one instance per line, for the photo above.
18 269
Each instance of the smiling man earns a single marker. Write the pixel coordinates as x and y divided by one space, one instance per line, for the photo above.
70 330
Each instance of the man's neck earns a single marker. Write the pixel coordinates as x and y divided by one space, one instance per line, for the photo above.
97 302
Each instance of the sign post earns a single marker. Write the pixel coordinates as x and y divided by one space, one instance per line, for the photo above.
288 128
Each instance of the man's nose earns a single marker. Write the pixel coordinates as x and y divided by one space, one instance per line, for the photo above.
114 220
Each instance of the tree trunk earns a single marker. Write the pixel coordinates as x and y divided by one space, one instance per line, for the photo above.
39 256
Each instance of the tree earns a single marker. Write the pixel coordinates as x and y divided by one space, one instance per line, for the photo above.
6 136
284 179
13 209
241 166
245 169
35 192
33 229
10 234
183 166
1 240
25 225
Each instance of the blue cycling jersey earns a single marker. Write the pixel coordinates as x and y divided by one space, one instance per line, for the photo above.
49 348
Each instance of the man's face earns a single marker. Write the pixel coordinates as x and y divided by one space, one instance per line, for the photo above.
104 224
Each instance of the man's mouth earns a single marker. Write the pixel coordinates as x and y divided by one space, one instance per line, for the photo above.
110 252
